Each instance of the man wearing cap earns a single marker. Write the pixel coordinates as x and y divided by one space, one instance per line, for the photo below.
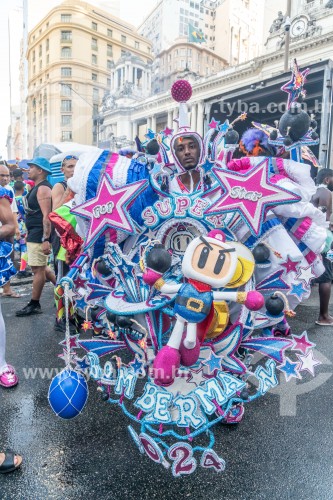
38 206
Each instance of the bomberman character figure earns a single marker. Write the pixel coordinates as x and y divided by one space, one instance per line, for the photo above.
208 263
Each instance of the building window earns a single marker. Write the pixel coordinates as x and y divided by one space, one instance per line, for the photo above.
66 135
66 52
66 89
66 120
47 44
33 56
109 64
109 50
123 52
66 105
45 108
94 77
94 44
95 95
47 58
66 36
66 18
93 59
109 33
40 50
123 39
94 26
137 45
34 69
108 82
66 71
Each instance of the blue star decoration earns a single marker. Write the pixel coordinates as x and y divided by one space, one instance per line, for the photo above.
81 303
82 363
213 363
136 365
298 290
290 369
150 134
207 165
224 127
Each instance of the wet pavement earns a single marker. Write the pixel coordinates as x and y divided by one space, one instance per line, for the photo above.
283 449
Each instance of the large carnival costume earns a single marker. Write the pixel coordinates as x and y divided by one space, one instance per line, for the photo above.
178 283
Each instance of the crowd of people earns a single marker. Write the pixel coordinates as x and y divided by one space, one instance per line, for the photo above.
25 205
25 208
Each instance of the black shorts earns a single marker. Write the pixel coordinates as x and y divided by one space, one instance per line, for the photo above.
327 275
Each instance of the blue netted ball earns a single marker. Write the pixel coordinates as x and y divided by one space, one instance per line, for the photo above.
68 394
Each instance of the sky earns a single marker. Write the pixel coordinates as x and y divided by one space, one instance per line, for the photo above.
133 11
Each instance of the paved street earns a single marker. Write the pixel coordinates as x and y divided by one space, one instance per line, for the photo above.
283 449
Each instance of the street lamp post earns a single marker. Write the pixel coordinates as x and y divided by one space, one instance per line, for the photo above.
287 36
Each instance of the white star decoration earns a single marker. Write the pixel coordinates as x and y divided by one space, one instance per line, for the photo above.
305 274
308 362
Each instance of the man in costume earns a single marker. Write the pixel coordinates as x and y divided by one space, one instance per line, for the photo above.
38 225
323 200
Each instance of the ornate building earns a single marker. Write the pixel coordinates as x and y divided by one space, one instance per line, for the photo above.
253 86
71 54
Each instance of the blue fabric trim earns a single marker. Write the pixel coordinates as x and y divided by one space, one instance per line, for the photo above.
138 171
269 224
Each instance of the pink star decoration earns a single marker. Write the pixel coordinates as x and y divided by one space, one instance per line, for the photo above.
302 343
249 194
109 208
167 131
308 362
290 265
213 124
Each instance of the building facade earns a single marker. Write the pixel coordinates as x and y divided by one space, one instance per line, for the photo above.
253 86
233 29
71 53
183 56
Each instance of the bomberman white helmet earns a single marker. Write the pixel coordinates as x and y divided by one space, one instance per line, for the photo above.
210 259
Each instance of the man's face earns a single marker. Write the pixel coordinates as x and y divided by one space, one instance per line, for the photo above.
187 152
34 172
329 181
68 168
4 175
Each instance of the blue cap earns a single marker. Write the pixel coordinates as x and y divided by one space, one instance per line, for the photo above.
42 163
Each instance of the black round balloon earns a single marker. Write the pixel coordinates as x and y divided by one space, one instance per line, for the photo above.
102 268
298 121
274 305
94 311
260 253
152 147
287 141
111 317
273 135
105 396
158 259
231 137
124 321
